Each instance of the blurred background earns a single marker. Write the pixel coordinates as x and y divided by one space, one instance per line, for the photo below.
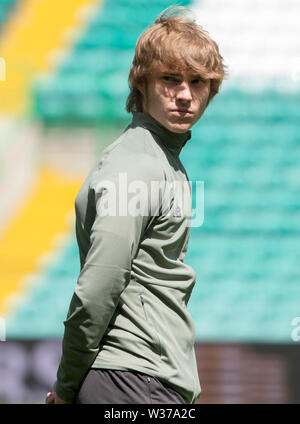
63 85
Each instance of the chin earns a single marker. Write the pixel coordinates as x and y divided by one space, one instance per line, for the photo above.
179 127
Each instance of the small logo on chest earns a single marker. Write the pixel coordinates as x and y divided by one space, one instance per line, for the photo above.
177 212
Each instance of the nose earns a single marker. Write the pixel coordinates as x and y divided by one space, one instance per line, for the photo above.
184 92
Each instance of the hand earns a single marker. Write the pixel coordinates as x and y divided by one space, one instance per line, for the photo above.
50 398
53 398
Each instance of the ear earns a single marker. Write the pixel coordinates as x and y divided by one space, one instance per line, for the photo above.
142 88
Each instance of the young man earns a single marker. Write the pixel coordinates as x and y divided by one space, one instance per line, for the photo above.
128 335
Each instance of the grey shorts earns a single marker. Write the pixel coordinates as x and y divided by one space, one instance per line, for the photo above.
127 387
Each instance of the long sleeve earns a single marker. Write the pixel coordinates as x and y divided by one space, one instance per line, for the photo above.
105 272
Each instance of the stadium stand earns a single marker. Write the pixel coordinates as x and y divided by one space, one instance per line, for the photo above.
6 8
246 149
24 56
90 85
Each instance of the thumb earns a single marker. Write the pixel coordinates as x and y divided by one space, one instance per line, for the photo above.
50 398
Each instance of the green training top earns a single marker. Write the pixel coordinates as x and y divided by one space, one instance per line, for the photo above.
129 307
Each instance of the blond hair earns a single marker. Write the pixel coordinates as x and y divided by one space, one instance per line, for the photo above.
180 43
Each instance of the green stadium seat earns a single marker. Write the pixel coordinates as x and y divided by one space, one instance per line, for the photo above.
246 149
6 8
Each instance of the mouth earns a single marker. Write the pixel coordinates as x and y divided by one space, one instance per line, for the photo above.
182 112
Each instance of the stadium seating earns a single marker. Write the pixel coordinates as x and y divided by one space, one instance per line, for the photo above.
42 308
90 85
6 8
246 149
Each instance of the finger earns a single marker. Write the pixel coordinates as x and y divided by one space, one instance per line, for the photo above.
50 398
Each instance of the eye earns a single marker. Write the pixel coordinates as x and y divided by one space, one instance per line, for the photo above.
169 78
198 80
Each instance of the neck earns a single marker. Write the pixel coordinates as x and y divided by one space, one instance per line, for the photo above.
173 141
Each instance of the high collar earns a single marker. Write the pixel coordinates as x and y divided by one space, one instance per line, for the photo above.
173 141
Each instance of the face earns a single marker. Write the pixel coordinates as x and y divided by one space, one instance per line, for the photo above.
175 99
